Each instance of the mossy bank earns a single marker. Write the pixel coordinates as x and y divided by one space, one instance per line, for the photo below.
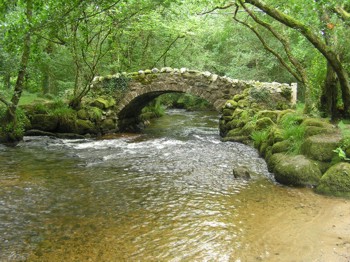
300 150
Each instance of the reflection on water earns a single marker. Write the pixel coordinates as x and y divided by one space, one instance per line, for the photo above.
165 195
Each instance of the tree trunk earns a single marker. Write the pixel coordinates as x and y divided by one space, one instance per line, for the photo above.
317 42
328 101
13 135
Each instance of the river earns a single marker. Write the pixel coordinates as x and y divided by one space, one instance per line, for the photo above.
167 194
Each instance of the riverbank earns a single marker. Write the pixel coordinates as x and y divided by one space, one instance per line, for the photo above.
300 150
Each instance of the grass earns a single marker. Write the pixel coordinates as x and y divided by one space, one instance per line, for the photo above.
259 137
293 132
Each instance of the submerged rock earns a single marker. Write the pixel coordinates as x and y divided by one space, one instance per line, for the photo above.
242 172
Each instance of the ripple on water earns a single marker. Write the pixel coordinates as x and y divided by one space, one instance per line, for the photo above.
169 195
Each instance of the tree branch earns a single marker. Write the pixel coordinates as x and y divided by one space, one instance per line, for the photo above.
344 15
267 47
217 8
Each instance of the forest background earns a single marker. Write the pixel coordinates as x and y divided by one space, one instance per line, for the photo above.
54 48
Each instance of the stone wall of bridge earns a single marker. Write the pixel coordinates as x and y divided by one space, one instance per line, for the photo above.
133 91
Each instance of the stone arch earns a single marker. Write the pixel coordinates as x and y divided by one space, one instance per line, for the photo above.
144 86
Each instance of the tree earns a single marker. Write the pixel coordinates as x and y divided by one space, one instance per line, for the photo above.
317 41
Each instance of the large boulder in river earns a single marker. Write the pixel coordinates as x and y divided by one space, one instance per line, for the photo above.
336 181
295 170
320 147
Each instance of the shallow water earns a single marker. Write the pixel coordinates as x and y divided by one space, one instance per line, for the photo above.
165 195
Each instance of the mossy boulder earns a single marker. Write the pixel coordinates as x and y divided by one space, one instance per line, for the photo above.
85 127
67 125
103 103
320 147
274 160
282 146
264 123
336 181
297 171
108 125
315 130
275 135
272 114
316 122
44 122
231 104
227 112
243 103
238 97
83 114
248 128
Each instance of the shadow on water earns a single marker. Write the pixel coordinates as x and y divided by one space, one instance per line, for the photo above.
165 195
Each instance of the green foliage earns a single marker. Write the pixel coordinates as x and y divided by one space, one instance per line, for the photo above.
259 137
154 109
341 154
12 131
345 130
293 131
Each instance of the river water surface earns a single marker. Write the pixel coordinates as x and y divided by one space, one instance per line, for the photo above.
165 195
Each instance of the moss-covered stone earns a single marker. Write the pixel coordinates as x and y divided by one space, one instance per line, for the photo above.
274 160
44 122
67 125
275 135
103 103
262 148
315 130
297 171
320 147
238 97
227 112
83 114
108 125
227 118
316 122
231 104
336 181
235 123
248 128
264 123
244 103
85 127
280 147
272 114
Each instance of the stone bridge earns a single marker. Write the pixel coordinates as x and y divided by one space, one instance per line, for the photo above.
133 91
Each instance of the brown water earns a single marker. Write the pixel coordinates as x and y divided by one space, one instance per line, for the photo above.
166 195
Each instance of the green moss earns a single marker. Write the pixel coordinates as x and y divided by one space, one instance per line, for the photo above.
231 104
297 171
320 147
336 181
272 114
280 147
264 123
